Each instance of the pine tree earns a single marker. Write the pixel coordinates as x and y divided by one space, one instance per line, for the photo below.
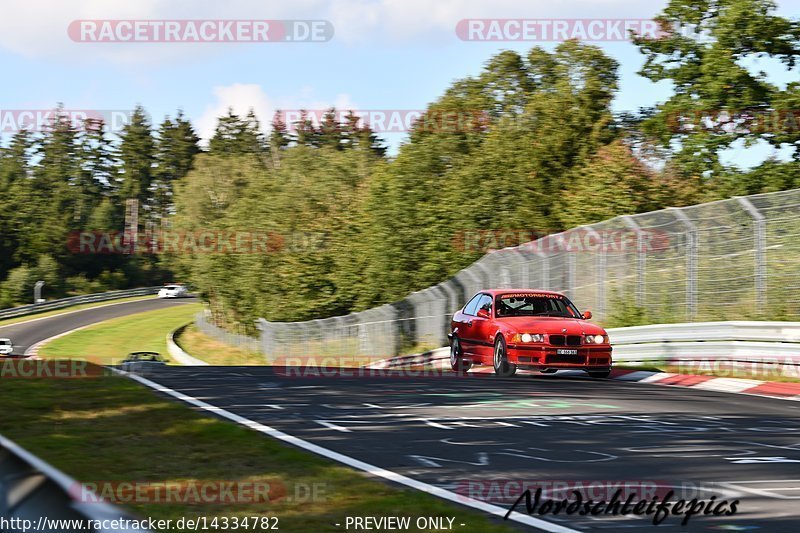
176 148
137 158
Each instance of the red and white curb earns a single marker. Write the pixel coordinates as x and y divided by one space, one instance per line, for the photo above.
33 350
783 390
753 387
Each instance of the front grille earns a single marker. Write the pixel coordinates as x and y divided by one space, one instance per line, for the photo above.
565 340
571 359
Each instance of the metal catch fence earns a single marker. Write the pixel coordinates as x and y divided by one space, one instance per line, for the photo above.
736 259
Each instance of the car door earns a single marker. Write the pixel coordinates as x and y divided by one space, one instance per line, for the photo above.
463 325
481 330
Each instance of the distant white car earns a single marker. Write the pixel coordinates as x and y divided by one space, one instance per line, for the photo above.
6 347
173 291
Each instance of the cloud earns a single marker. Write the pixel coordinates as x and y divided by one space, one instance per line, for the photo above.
38 28
242 97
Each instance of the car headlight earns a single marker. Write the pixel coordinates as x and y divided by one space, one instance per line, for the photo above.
528 337
596 339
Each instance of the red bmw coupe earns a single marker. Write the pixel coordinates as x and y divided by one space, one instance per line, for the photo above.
527 329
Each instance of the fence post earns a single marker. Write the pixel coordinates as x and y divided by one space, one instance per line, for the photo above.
545 271
267 338
571 268
760 237
600 271
640 258
519 262
691 262
488 280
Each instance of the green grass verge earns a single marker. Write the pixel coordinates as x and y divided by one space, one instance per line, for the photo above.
214 352
16 320
110 429
110 341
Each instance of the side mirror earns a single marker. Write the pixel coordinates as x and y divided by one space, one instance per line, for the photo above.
587 315
483 313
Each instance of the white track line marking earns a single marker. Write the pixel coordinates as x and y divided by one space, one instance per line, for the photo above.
355 463
33 349
759 492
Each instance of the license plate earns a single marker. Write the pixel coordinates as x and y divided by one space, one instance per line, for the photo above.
562 351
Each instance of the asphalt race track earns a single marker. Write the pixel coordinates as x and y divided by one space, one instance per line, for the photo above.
489 438
25 334
485 437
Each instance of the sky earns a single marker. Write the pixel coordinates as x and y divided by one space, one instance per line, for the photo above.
383 55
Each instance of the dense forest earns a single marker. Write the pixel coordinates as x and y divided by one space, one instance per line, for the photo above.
350 227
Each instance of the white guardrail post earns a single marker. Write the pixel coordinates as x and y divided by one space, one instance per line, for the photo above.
32 490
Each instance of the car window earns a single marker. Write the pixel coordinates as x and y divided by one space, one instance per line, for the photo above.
535 305
485 303
472 307
5 342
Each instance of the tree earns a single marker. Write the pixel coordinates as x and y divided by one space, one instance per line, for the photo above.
611 182
137 159
176 148
236 135
714 89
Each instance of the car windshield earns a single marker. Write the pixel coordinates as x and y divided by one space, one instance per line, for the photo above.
535 305
171 288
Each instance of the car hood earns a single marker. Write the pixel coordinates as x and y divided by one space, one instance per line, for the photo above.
551 325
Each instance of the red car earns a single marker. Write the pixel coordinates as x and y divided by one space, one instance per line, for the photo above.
527 329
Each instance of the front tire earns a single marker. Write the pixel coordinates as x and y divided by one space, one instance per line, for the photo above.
502 367
457 361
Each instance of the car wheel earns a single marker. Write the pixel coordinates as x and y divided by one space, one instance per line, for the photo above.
457 361
600 373
501 365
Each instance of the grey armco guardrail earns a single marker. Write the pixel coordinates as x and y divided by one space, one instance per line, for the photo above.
74 300
746 341
31 490
740 340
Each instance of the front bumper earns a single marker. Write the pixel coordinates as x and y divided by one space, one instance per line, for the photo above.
548 357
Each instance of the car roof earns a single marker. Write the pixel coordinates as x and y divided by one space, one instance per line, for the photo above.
495 292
